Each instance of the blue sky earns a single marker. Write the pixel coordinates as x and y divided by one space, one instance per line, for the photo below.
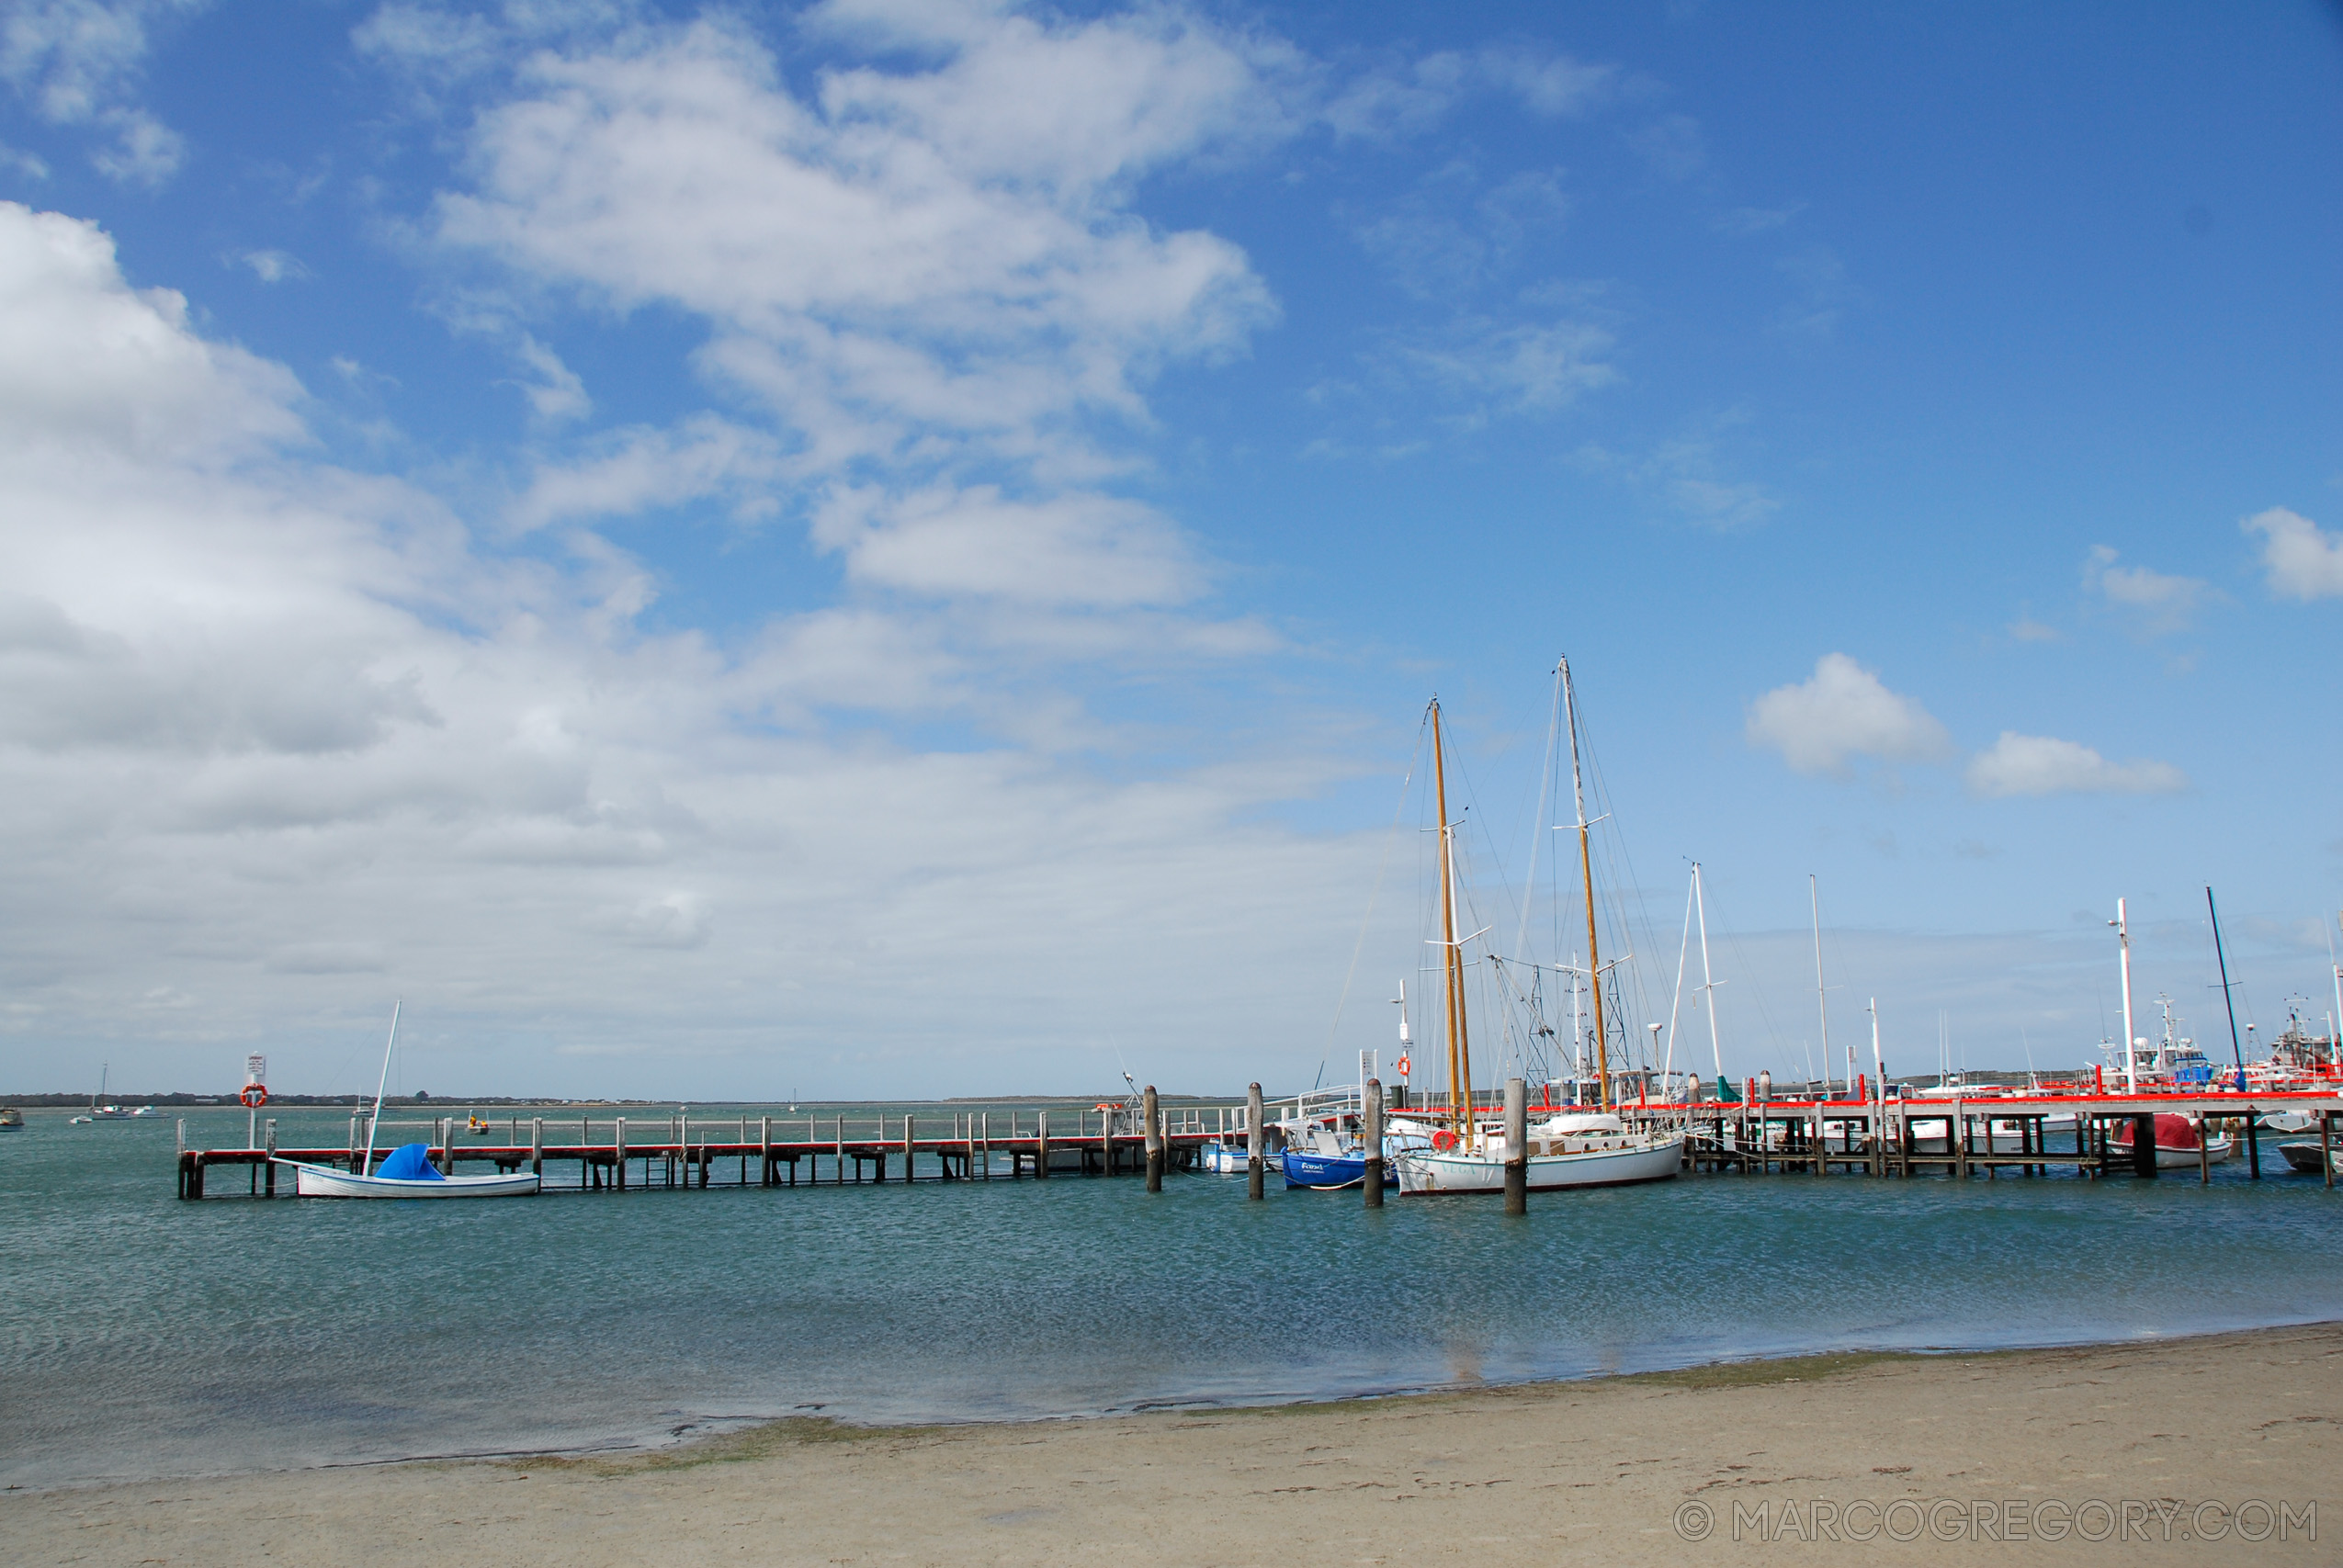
897 548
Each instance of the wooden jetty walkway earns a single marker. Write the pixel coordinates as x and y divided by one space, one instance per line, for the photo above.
1881 1136
614 1155
1963 1135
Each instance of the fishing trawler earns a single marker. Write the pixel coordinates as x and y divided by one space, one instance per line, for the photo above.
1582 1148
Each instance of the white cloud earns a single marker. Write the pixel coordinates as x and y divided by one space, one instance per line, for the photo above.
1515 368
1688 477
273 266
1086 549
627 471
2159 603
1672 145
1408 99
1842 712
79 62
156 388
2038 764
2303 561
280 741
558 393
928 275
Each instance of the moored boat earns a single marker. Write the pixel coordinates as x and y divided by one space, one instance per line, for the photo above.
1465 1155
405 1172
2177 1143
2305 1158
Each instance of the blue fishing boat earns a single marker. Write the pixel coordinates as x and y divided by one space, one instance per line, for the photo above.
1325 1172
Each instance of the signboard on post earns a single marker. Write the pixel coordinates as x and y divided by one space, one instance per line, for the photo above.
256 1069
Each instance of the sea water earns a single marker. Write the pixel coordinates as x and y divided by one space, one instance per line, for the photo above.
142 1336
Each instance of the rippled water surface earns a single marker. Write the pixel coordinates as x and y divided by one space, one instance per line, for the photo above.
144 1336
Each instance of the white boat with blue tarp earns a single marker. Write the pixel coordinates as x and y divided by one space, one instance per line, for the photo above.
406 1172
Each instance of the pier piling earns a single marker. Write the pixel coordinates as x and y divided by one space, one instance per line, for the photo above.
1151 1110
1372 1186
1517 1146
1255 1136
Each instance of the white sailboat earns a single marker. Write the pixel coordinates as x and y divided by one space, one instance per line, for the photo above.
1571 1149
406 1172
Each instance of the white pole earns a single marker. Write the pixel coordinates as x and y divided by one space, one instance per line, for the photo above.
2122 922
1578 1037
2334 1024
1821 997
1681 947
375 1121
1708 985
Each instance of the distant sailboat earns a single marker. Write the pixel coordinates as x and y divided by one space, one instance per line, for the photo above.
103 1109
406 1172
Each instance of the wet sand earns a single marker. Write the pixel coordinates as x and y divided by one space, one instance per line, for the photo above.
1936 1459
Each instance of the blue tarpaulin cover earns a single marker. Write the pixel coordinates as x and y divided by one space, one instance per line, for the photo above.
409 1162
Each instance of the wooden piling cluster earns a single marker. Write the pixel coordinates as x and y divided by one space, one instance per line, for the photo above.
1881 1136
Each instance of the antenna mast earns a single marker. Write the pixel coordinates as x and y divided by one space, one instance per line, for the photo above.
1586 876
1460 1070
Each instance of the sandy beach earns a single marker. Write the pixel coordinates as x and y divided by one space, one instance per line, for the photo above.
2134 1452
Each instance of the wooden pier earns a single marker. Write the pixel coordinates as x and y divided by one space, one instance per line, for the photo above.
683 1151
1881 1137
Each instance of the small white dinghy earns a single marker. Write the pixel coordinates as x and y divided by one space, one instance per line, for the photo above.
405 1171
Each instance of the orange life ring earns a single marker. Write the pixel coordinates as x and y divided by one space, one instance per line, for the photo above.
255 1095
1405 1067
1443 1140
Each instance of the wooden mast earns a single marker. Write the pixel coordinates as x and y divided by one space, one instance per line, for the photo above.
1586 876
1460 1056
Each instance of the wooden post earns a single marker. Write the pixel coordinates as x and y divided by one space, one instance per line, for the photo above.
907 1135
618 1147
271 1149
1041 1146
1105 1142
1818 1137
2326 1144
1517 1146
1956 1138
1151 1112
984 1141
2204 1153
2253 1142
2144 1145
537 1145
1256 1143
1373 1186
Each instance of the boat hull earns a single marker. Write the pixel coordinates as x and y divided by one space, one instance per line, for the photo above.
1228 1160
1324 1173
322 1182
2305 1157
2180 1157
1425 1171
